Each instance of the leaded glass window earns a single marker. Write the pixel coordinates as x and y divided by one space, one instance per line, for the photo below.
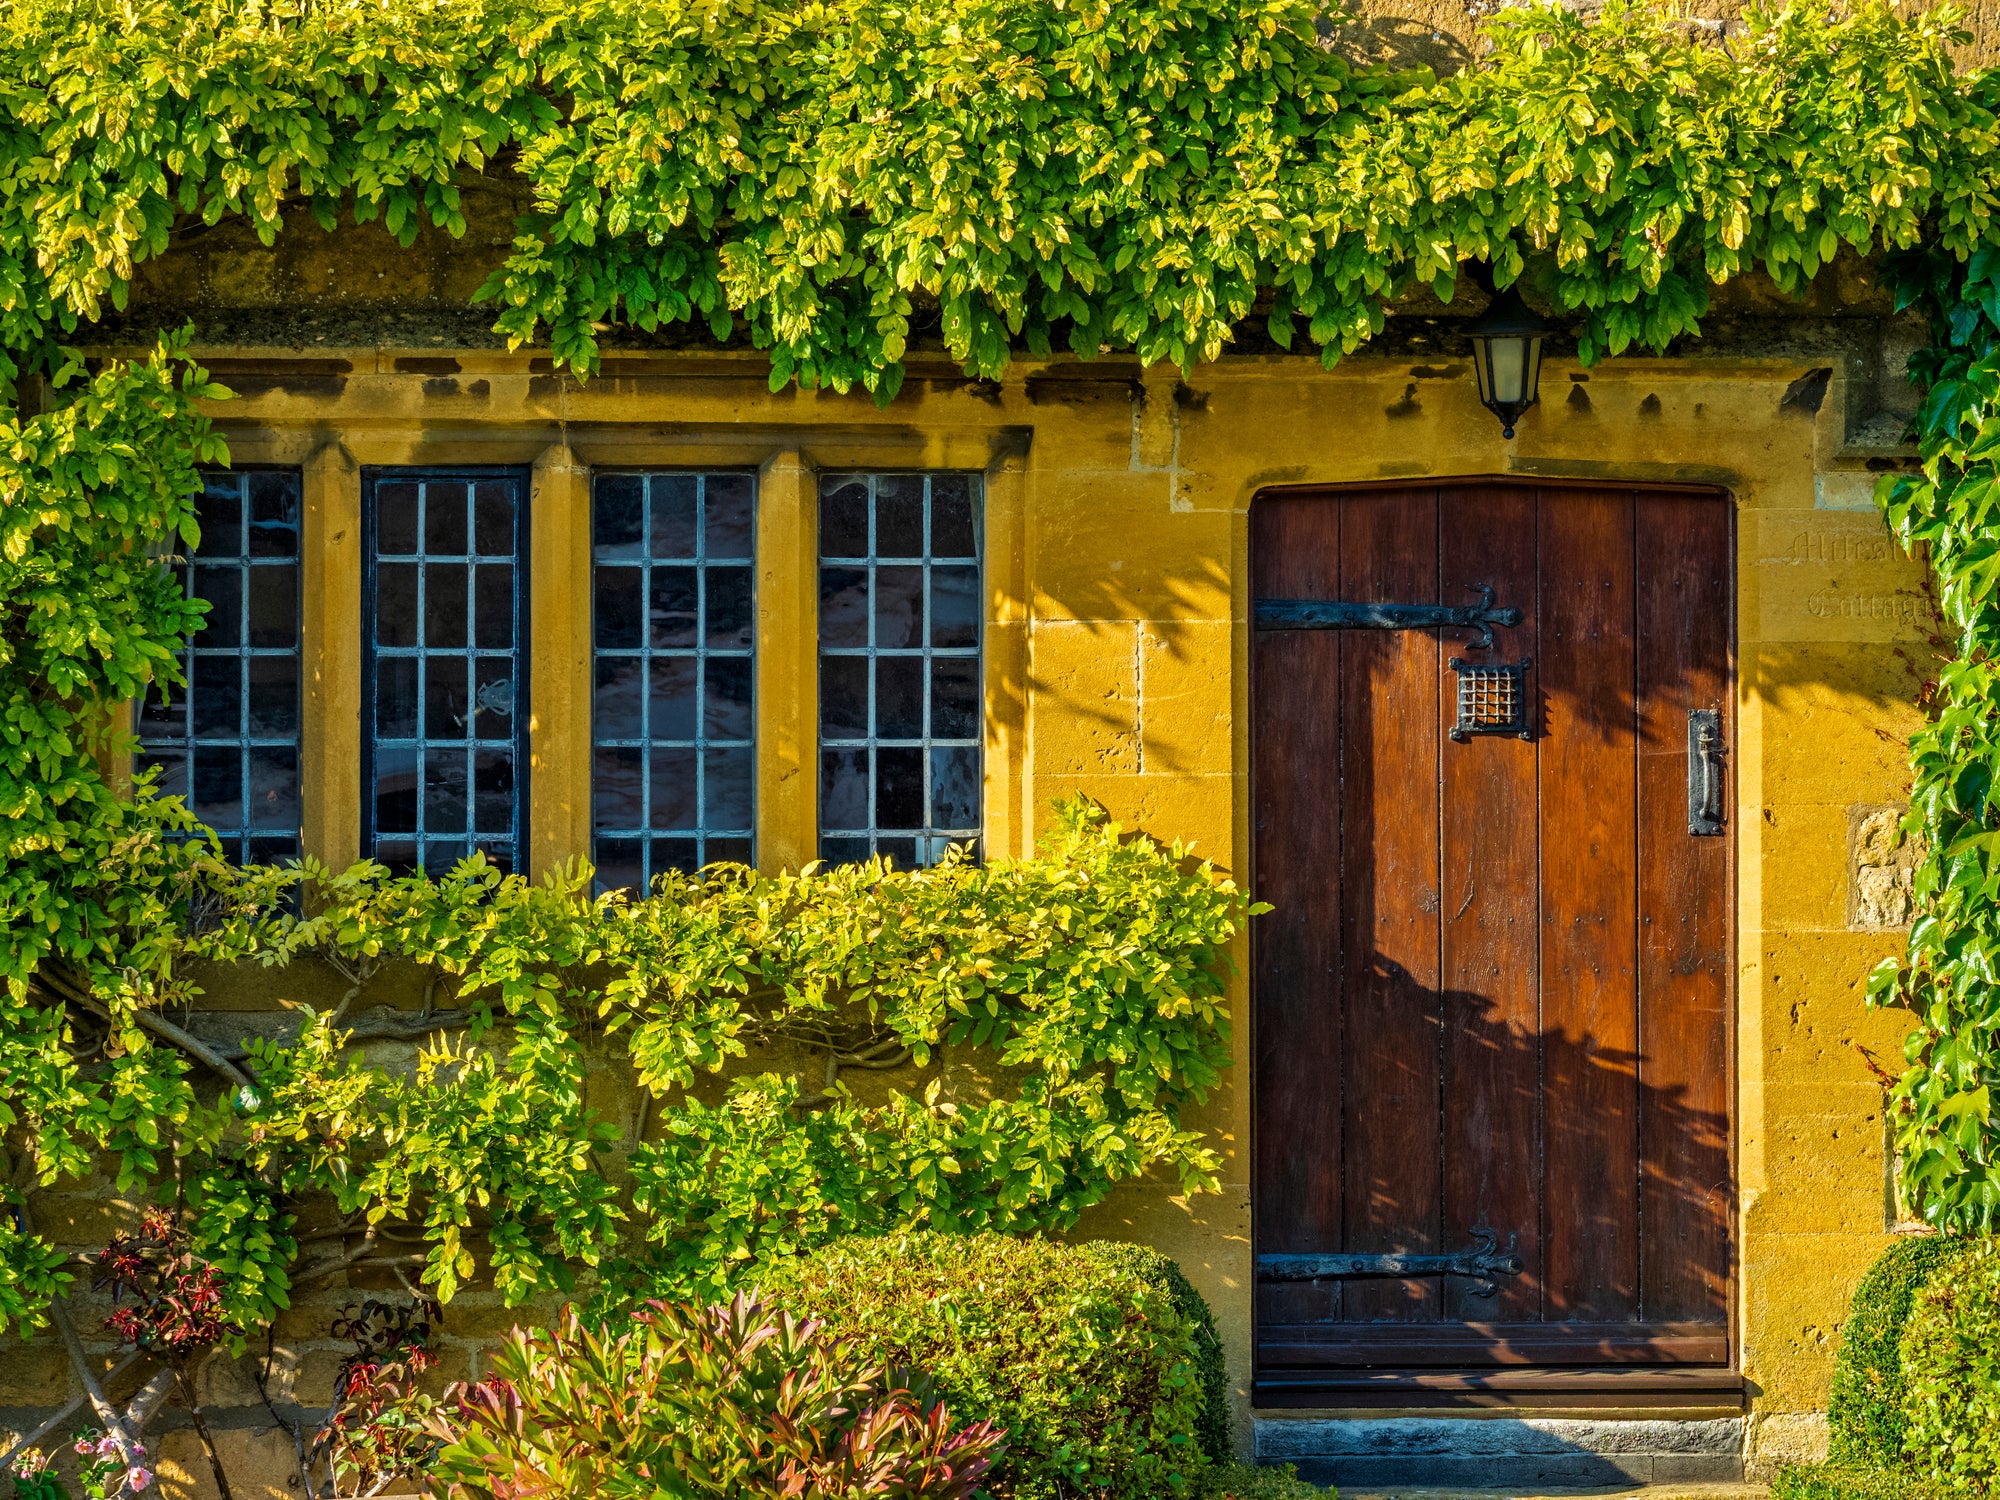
228 741
899 682
443 680
673 756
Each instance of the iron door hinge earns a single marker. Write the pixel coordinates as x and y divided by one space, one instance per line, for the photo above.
1335 614
1482 1262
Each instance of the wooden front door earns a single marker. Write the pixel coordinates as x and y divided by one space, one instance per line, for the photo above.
1493 1000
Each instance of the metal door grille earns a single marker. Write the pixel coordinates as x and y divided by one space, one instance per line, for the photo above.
444 682
673 766
900 609
228 741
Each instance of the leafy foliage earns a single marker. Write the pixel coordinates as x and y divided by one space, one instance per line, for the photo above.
834 183
1098 1359
1947 1135
1246 1482
1865 1407
1951 1365
1094 973
164 1298
1867 1412
1833 1481
377 1429
734 1401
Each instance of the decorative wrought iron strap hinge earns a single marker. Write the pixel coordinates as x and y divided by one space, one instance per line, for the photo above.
1482 1261
1333 614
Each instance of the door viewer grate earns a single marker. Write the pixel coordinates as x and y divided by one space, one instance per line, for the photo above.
1492 698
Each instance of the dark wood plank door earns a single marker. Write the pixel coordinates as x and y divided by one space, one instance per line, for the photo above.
1493 1000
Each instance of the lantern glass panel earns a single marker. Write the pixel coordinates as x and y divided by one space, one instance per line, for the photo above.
1509 358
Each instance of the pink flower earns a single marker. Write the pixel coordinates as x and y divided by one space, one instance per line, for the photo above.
138 1447
138 1477
84 1445
106 1446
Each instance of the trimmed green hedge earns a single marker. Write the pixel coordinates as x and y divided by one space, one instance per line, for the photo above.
1951 1373
1099 1359
1865 1409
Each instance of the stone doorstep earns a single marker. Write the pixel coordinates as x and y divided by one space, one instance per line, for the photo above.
1517 1455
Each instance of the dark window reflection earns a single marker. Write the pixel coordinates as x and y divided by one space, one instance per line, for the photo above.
444 622
899 630
227 740
673 767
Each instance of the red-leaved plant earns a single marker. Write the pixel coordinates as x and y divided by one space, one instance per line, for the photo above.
739 1401
375 1432
167 1301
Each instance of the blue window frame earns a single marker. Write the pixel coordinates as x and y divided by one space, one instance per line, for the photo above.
900 606
673 765
444 680
228 741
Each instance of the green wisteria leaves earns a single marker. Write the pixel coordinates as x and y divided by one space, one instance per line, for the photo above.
840 183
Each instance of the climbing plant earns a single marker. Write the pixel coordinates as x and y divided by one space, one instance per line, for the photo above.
1949 511
833 183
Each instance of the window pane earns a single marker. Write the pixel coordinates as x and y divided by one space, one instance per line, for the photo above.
674 527
274 605
618 592
727 514
673 601
671 716
899 515
444 518
899 697
447 608
443 668
493 518
217 681
725 699
618 699
493 607
396 698
672 707
274 515
726 778
216 794
618 516
843 607
221 584
395 519
274 698
676 796
396 604
445 698
900 617
220 513
492 790
274 787
843 697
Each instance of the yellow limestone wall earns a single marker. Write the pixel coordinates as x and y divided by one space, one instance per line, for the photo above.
1117 643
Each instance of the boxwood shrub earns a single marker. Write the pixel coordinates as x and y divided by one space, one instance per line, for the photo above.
1865 1408
1951 1374
1099 1359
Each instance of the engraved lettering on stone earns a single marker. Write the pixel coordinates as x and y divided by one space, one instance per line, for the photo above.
1831 604
1832 546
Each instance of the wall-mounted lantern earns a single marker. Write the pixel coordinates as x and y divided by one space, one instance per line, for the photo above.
1507 354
